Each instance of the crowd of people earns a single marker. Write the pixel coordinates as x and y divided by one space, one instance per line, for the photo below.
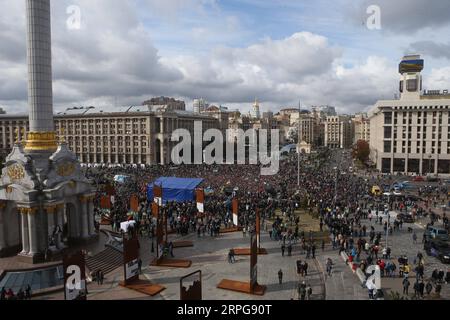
340 201
21 294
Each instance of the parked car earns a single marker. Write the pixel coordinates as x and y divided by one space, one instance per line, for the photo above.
437 233
438 249
407 218
418 179
432 179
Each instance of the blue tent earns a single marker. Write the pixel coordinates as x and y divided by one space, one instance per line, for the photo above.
175 189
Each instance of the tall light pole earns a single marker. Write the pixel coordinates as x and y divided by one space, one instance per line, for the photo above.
336 185
298 145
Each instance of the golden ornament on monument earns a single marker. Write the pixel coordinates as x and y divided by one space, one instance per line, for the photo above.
65 169
16 172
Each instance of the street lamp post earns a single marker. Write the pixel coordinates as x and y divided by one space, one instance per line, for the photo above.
298 144
387 228
153 237
336 184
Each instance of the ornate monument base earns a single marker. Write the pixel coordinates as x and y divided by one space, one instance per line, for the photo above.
46 204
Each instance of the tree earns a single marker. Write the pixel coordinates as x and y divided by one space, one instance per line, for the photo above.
293 134
361 151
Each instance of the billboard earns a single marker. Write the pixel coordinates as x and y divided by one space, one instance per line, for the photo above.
193 292
130 259
411 64
74 277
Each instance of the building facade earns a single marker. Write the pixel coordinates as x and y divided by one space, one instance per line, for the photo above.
200 105
164 103
361 124
339 132
411 135
139 137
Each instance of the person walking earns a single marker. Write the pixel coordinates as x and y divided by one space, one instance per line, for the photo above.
290 250
313 250
305 268
302 291
171 249
429 288
406 285
329 266
20 295
421 289
416 290
101 277
280 276
308 292
414 238
140 265
283 248
28 292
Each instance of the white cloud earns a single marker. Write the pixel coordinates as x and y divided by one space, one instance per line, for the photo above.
114 56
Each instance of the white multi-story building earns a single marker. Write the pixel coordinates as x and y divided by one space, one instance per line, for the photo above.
338 132
361 124
200 105
411 134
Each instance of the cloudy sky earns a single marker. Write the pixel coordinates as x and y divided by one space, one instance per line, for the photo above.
228 51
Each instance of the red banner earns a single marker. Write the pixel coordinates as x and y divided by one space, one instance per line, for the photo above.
157 194
235 206
155 210
134 203
200 196
105 202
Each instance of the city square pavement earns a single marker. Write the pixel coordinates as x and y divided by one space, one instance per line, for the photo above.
210 256
401 243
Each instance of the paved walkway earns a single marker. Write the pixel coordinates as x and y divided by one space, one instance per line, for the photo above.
401 243
210 256
343 283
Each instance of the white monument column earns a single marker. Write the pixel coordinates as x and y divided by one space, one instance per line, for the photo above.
42 136
33 236
25 233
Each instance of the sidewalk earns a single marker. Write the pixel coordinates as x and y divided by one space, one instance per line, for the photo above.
343 283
